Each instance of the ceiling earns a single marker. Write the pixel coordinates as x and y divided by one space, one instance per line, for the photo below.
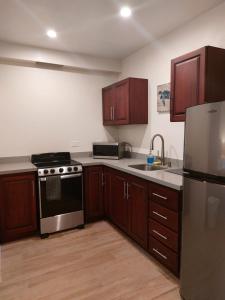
94 26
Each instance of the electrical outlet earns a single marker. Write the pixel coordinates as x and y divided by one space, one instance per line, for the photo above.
75 143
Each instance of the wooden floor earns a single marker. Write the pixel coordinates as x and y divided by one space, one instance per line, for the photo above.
96 263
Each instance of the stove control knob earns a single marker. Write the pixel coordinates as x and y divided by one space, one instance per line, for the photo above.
45 171
69 169
52 171
60 170
75 169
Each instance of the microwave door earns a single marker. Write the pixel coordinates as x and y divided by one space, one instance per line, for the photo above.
106 151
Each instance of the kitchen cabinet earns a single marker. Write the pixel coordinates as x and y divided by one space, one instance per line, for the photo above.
137 195
164 225
147 212
196 78
94 187
119 203
107 192
18 212
107 105
125 102
130 205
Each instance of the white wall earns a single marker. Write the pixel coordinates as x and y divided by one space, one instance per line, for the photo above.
44 110
153 62
15 53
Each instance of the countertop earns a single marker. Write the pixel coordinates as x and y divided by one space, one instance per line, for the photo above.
16 167
173 181
161 176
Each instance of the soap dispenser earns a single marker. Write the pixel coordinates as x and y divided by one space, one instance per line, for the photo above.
150 158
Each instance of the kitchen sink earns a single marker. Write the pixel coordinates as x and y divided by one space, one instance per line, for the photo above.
145 167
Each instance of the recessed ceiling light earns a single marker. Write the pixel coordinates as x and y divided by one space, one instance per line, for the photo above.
125 12
51 34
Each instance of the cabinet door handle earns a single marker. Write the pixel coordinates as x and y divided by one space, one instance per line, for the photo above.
113 110
159 234
128 191
111 113
159 196
124 190
103 183
159 253
159 215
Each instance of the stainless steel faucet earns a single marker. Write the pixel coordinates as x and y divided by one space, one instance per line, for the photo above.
162 149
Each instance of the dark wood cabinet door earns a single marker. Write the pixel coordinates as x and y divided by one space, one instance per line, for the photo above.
107 192
93 193
18 206
187 83
119 202
138 210
108 95
125 102
121 104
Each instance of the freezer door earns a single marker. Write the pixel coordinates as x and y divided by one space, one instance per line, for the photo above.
204 145
203 241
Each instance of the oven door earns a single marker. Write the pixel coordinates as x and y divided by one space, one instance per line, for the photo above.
61 194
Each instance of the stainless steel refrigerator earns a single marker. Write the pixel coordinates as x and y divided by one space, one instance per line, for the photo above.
203 222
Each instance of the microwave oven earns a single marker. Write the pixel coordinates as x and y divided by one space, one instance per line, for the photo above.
108 150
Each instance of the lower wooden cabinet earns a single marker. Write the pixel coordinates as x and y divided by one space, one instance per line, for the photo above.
164 235
147 212
137 194
119 202
107 192
94 183
164 226
124 198
18 212
164 255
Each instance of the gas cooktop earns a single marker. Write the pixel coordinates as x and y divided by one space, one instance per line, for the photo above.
55 164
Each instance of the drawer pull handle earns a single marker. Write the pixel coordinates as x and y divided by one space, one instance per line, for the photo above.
159 234
159 196
159 253
124 190
159 215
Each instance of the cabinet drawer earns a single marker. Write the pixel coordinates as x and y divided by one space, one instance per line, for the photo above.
164 216
163 234
166 256
164 196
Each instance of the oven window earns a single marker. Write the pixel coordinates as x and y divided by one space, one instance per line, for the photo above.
61 195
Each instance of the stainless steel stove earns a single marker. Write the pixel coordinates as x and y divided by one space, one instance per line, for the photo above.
60 183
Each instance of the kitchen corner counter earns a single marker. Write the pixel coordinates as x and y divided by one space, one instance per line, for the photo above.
160 176
16 167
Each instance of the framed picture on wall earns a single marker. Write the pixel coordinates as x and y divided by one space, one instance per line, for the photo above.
163 97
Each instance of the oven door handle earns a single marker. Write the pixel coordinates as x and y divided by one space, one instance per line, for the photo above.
64 176
70 176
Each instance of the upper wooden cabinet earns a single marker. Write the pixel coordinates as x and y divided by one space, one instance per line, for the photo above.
18 213
125 102
196 78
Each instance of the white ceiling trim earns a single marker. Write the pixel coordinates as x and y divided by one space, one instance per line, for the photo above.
18 53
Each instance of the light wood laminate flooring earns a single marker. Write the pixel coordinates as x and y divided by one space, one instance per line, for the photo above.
96 263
